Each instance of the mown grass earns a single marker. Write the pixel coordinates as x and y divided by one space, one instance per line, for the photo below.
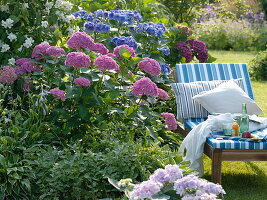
243 180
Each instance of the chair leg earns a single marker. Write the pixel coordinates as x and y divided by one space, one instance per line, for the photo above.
216 167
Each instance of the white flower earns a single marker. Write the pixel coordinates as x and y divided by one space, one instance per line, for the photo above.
25 5
4 8
28 42
71 17
45 42
5 48
71 30
48 5
8 23
11 61
66 5
11 37
20 49
44 24
6 120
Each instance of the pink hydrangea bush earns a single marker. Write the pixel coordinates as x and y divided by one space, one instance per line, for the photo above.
150 66
116 51
80 40
171 178
20 61
59 94
82 82
99 48
145 86
77 59
39 51
106 63
55 51
30 67
163 95
170 120
8 75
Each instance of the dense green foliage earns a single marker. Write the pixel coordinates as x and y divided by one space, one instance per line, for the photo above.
258 67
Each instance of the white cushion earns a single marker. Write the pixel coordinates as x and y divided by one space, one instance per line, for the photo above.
227 98
184 92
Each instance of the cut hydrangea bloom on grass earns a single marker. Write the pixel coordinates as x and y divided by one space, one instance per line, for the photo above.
170 120
105 62
150 66
80 40
82 81
39 50
8 75
168 175
59 94
77 59
145 86
145 190
117 51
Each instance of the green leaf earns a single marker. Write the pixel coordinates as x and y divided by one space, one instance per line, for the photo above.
2 160
151 133
83 112
128 111
114 183
125 53
15 129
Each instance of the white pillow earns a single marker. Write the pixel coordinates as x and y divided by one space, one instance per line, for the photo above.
186 107
227 98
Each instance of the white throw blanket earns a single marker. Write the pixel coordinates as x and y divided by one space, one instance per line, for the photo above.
195 140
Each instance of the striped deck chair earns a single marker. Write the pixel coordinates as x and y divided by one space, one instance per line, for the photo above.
226 149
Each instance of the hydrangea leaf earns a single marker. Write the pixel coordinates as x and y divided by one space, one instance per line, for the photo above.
125 53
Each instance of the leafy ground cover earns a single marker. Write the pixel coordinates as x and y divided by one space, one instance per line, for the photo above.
242 180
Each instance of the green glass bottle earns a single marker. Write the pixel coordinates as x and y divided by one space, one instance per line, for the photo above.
244 120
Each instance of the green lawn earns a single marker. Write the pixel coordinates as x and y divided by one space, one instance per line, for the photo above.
243 180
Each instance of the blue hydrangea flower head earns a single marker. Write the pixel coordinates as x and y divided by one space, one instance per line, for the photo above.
130 41
165 69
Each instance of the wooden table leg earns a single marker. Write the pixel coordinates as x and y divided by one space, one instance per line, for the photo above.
216 167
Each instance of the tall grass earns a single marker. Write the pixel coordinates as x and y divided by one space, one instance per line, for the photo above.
243 180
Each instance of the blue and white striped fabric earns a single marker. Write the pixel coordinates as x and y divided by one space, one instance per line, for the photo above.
232 142
191 72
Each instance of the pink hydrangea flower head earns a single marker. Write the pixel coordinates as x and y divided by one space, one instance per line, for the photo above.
59 94
145 86
145 190
39 51
55 51
100 48
200 49
8 75
163 94
77 59
105 62
82 82
170 120
20 61
30 67
80 40
185 51
111 55
20 70
117 50
150 66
